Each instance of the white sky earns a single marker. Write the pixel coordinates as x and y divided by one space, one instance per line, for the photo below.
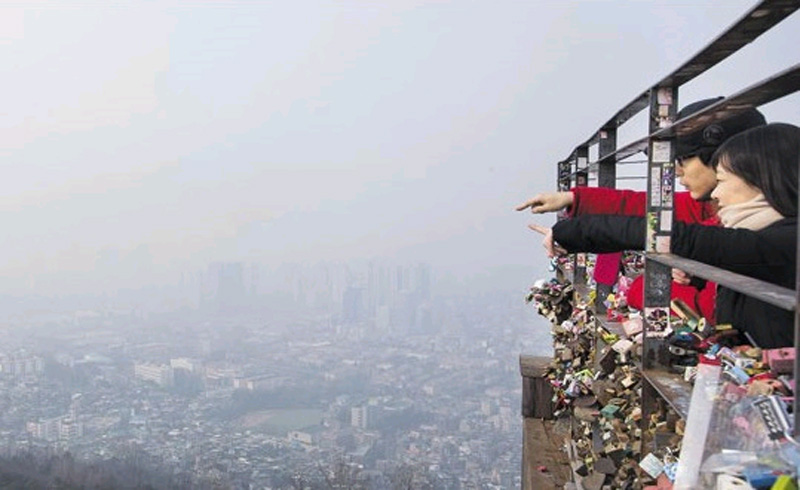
177 133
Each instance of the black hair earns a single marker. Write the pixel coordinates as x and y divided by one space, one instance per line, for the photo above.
766 157
705 154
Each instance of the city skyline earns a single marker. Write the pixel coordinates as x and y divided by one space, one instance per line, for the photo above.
242 397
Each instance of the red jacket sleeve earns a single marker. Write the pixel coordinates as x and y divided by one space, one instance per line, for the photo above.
602 200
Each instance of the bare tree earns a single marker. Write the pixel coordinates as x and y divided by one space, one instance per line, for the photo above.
299 482
402 478
343 474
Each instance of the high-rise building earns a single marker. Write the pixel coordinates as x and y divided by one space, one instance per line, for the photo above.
21 364
422 281
45 429
160 374
75 407
401 279
361 416
224 286
62 428
70 429
353 305
191 365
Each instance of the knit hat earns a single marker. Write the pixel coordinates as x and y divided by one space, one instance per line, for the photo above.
703 143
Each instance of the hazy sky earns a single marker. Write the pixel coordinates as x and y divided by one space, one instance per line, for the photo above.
177 133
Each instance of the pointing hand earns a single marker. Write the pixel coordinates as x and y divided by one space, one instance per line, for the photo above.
548 202
549 245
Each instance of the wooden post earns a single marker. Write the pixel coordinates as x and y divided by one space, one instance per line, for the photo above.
545 465
537 393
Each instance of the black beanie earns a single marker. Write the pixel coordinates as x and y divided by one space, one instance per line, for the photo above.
704 142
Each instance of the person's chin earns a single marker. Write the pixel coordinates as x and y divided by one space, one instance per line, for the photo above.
700 197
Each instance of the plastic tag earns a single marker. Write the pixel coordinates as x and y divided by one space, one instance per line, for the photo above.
729 482
652 465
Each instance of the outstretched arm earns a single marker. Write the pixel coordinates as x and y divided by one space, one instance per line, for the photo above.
765 254
602 200
600 233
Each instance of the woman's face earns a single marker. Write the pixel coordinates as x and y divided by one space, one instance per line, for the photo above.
732 189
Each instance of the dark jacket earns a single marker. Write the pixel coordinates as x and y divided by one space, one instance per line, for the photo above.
768 254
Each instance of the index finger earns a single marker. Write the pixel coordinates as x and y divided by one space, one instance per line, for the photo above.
539 228
527 204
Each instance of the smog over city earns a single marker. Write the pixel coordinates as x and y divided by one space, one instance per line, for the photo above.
263 244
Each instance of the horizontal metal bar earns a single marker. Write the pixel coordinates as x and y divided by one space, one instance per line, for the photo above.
626 151
779 85
672 388
756 21
590 170
767 90
759 19
765 291
593 172
594 165
631 109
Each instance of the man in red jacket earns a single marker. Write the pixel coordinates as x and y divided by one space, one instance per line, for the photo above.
693 155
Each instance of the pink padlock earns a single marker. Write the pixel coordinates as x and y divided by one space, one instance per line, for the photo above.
780 361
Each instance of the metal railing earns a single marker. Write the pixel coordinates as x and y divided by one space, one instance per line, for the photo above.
662 101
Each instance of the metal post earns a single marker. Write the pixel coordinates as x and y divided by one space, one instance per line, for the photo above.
563 181
581 180
564 172
606 177
796 372
659 217
607 172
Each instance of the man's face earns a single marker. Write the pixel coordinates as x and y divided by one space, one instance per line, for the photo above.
696 177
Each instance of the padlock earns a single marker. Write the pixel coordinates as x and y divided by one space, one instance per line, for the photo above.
780 361
651 465
628 381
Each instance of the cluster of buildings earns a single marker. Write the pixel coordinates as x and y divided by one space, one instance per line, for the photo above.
66 427
20 364
257 401
393 298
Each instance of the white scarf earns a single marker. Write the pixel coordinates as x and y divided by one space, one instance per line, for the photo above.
754 214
